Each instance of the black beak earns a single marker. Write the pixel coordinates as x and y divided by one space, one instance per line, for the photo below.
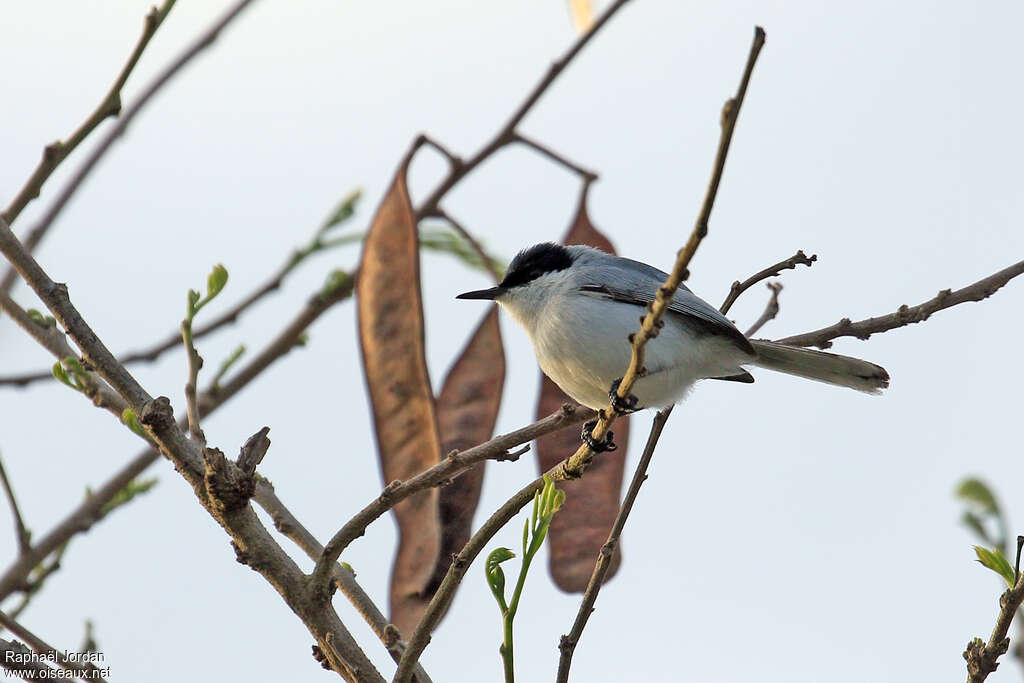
488 294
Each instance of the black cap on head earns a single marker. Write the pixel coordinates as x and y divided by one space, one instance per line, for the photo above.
530 264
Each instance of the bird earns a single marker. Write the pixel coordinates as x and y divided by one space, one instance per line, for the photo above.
578 305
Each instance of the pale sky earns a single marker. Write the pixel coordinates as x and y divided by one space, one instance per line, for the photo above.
789 531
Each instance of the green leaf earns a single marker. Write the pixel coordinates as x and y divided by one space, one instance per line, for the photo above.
62 375
976 491
129 492
345 209
132 422
337 280
997 562
496 576
193 300
215 281
39 318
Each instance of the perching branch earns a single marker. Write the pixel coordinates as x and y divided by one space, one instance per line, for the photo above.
905 315
496 449
56 152
771 271
567 644
575 465
983 658
85 670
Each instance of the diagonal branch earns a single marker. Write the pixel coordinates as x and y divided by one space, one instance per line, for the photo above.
342 575
905 315
89 511
576 464
567 644
507 134
456 463
84 670
55 153
24 537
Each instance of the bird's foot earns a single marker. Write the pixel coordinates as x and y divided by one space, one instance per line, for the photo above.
621 406
604 445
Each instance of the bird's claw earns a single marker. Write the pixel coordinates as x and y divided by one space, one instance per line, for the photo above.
621 405
602 446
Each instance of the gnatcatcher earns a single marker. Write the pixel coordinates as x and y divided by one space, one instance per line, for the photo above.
579 305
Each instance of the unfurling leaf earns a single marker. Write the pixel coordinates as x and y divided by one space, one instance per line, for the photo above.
582 527
467 410
61 374
391 340
215 281
495 575
345 209
132 422
997 562
448 241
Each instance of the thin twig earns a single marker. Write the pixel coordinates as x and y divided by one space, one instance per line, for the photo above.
85 670
205 40
587 175
457 462
342 575
485 258
905 315
506 134
454 160
567 644
770 310
56 152
771 271
195 362
24 537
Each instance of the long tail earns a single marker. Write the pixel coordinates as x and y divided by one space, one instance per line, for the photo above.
820 366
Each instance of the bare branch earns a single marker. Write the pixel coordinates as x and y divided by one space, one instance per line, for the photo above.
587 176
89 511
55 153
770 311
507 133
86 670
24 537
205 40
905 315
771 271
567 644
342 575
496 449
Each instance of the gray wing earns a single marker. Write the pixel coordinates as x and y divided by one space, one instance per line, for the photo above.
632 282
